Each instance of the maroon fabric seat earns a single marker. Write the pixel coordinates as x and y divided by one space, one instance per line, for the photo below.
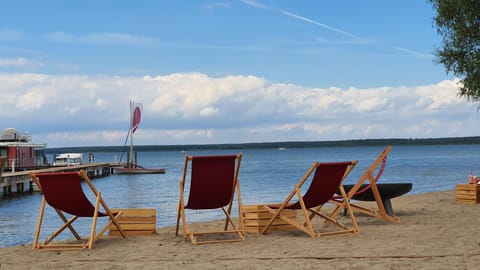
212 182
63 191
325 183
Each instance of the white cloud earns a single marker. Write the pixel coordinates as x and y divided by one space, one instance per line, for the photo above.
20 63
185 108
14 62
11 34
101 39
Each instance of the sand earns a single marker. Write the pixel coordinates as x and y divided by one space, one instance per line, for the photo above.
436 233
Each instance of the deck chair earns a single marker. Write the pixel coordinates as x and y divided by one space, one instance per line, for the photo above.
327 179
213 182
361 187
64 193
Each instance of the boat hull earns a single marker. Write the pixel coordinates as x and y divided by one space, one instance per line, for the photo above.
138 171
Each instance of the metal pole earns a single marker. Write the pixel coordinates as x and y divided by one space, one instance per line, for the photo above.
131 136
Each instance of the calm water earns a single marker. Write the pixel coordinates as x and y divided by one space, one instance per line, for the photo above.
266 175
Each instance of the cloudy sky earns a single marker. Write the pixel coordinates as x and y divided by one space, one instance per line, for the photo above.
225 71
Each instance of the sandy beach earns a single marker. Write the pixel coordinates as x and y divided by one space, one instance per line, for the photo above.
436 233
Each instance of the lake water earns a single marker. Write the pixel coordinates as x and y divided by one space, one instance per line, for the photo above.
266 175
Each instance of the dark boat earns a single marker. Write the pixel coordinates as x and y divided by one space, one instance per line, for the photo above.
137 170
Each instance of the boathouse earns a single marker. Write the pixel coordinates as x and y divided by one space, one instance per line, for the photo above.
20 151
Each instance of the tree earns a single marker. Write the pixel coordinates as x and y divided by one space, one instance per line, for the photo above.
458 22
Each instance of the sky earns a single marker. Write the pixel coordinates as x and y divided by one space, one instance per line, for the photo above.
209 72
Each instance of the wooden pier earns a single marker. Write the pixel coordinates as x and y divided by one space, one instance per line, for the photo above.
20 182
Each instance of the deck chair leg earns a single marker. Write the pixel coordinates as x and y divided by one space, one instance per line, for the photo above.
94 222
68 224
39 224
349 209
56 233
181 205
234 228
113 219
178 220
185 227
381 206
335 212
308 227
239 202
228 220
275 214
284 204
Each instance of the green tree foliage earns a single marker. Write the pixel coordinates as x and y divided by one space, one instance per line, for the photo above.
458 22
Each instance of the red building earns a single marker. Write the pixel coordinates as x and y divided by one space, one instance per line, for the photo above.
20 150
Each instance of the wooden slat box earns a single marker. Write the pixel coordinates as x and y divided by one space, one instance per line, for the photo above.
255 217
136 221
468 193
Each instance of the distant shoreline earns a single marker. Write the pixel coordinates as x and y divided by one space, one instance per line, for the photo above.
275 145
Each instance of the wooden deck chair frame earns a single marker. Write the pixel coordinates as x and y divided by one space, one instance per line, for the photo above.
83 243
237 230
309 213
368 176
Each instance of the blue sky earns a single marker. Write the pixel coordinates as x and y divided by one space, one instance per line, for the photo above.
225 71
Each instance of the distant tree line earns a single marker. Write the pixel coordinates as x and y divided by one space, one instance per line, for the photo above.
272 145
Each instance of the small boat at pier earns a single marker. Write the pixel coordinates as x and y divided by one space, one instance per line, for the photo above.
68 159
137 170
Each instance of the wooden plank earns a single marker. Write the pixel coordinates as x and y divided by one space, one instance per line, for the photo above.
255 217
266 215
135 221
134 227
257 229
132 233
467 193
137 211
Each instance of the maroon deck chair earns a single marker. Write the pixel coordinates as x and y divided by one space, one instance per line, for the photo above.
64 193
327 179
213 183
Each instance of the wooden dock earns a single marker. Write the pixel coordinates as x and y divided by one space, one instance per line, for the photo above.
20 182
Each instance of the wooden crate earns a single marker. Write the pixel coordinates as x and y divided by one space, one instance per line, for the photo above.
255 217
136 221
468 193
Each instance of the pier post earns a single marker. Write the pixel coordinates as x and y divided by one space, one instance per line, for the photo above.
19 187
7 191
